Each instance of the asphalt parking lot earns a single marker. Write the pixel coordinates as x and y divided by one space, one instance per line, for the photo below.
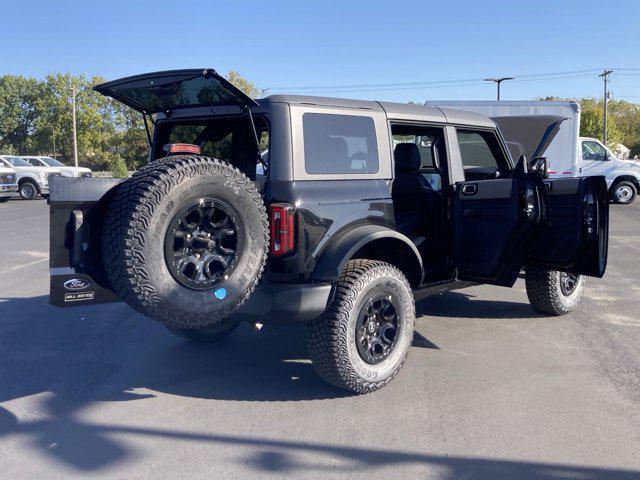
490 390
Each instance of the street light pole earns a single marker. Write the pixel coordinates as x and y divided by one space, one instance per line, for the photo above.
53 138
74 92
498 81
605 76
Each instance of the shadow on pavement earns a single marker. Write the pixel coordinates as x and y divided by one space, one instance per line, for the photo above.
463 305
85 354
90 354
87 447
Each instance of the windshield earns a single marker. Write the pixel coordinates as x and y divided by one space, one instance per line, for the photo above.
52 162
18 162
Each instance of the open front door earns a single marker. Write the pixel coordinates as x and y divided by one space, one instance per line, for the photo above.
494 222
575 238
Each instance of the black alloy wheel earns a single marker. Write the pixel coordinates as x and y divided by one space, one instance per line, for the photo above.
376 329
202 244
568 283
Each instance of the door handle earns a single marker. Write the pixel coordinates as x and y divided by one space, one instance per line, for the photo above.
470 189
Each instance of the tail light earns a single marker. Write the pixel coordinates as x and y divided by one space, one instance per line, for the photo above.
281 217
176 148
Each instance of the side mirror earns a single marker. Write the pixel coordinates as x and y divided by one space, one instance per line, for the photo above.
540 166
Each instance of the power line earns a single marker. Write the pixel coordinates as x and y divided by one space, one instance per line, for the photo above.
426 83
435 85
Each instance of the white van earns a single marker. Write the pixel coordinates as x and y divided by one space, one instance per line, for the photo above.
523 123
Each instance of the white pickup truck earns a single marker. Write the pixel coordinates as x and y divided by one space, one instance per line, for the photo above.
65 171
568 154
32 181
8 182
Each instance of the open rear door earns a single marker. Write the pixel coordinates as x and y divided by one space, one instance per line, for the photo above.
156 92
575 237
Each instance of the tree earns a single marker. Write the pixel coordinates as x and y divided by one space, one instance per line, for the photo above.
243 84
19 97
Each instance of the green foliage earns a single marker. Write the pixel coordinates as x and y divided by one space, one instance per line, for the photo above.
118 167
243 84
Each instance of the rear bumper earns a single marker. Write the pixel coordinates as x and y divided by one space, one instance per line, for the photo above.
269 303
284 303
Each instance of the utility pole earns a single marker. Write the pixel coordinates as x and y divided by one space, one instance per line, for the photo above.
498 81
74 92
605 76
53 138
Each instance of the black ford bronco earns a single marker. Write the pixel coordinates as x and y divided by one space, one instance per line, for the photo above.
337 213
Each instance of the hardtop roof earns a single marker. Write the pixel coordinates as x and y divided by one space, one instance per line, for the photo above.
394 110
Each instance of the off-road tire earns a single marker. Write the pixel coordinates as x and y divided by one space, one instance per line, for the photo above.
629 187
212 334
28 190
331 338
545 294
133 239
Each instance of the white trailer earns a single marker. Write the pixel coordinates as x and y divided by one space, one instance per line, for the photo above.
568 154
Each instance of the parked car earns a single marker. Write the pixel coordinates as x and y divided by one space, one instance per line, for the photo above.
8 182
40 161
344 234
32 181
569 155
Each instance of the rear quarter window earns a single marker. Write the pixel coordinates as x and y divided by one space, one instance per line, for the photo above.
339 144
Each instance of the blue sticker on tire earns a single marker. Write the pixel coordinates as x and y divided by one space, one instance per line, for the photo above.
220 293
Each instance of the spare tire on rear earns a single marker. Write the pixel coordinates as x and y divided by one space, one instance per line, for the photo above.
185 240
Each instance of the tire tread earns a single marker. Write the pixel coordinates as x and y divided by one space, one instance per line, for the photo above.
125 230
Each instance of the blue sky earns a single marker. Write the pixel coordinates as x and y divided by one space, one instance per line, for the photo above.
316 44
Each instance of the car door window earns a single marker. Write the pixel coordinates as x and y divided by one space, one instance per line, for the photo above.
340 144
482 157
34 162
430 147
593 151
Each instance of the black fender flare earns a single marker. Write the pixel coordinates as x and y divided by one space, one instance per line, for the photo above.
334 257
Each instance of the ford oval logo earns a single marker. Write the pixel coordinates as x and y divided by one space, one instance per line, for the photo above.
76 284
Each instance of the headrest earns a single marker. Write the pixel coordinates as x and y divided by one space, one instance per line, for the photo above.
407 157
336 155
337 148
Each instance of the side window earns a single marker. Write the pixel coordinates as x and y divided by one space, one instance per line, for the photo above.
34 162
482 157
427 144
339 144
593 151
